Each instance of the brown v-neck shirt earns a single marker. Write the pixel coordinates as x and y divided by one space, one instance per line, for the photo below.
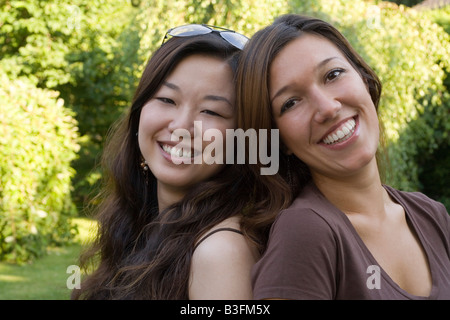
314 252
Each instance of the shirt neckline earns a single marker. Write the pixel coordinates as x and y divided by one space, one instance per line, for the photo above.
366 250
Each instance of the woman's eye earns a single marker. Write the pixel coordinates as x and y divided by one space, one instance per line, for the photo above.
165 100
212 113
333 74
288 104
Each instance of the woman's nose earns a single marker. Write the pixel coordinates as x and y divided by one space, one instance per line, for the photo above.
326 106
183 122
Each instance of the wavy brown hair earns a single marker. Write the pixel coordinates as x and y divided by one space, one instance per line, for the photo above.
139 252
253 100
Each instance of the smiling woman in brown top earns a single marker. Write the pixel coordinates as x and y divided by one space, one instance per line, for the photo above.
346 235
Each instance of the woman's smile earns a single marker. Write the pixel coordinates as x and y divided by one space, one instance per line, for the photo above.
346 133
177 152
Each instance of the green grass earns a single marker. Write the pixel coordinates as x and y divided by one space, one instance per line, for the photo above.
44 279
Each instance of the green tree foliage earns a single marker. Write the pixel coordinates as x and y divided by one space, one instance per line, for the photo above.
435 170
38 143
104 66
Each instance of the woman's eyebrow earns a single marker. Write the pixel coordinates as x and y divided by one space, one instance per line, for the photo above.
325 61
217 98
288 86
171 85
210 97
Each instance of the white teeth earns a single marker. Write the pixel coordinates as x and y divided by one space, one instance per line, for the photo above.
177 152
342 133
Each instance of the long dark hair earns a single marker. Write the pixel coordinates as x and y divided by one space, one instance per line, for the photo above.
253 101
139 252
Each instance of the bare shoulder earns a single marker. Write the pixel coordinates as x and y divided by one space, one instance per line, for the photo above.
225 244
221 265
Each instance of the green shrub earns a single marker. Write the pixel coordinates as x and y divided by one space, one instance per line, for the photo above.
440 16
37 145
435 171
77 48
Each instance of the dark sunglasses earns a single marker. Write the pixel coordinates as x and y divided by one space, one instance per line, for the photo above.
236 39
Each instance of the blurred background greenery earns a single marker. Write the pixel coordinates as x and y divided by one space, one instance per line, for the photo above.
68 70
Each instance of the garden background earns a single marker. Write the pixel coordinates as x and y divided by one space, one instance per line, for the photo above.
68 70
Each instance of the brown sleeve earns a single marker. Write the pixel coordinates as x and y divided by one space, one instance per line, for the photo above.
300 261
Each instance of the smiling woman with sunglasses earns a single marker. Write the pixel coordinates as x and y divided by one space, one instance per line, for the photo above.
168 230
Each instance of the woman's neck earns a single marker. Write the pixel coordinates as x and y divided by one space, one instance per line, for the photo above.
361 193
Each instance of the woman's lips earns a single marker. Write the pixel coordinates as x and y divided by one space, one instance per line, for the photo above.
343 135
179 152
343 132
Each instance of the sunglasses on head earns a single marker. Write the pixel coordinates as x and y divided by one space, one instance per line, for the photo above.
236 39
